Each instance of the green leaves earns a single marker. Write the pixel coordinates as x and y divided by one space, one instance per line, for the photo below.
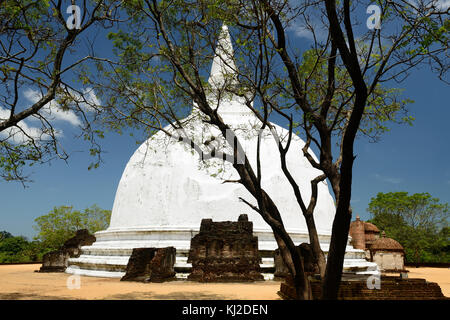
384 105
13 245
418 221
16 249
13 159
36 48
4 235
62 222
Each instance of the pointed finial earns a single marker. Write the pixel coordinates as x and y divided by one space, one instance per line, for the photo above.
224 78
223 68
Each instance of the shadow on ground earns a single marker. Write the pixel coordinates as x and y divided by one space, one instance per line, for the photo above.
124 296
30 296
169 296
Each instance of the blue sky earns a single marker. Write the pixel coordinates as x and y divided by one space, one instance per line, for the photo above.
408 158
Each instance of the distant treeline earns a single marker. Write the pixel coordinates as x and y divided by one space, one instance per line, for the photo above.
17 249
53 230
419 222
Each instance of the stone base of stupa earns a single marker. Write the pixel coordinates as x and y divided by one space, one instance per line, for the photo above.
109 255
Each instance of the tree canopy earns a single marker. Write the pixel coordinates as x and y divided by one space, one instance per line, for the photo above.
16 249
54 229
62 223
39 49
5 234
418 221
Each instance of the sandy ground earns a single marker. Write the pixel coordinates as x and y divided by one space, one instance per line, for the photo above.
21 282
439 275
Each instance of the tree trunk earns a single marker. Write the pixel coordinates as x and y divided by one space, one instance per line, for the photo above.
319 256
291 256
336 253
342 219
294 263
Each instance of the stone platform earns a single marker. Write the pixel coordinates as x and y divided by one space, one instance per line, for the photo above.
109 255
391 288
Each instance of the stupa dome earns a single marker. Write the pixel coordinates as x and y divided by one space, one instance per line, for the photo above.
166 190
166 186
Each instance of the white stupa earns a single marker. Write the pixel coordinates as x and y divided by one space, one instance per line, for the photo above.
165 190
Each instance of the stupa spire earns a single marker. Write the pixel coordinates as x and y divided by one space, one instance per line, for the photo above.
224 78
223 70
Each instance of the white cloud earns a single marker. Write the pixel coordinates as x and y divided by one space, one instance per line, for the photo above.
388 179
91 99
432 5
441 5
52 111
302 29
22 132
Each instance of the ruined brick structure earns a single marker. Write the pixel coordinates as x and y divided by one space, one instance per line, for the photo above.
225 251
391 288
57 261
305 251
151 265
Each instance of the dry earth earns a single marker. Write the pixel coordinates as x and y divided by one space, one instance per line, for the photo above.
439 275
21 282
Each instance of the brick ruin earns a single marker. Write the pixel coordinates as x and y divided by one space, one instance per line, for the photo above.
151 265
391 288
57 261
304 249
225 251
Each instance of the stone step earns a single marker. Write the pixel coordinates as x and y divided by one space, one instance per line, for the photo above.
184 276
107 251
181 262
121 251
181 265
109 267
354 261
114 260
94 273
117 265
